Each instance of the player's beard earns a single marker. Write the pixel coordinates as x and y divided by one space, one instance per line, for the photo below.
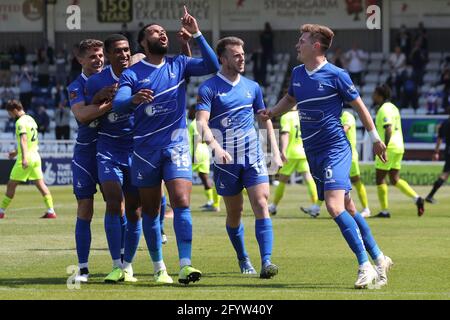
155 47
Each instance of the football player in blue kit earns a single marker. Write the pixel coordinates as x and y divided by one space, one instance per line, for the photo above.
155 91
319 89
84 165
225 118
114 149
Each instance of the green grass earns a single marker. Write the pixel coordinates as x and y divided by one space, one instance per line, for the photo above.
314 260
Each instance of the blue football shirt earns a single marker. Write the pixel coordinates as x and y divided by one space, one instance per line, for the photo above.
115 130
232 107
87 133
320 96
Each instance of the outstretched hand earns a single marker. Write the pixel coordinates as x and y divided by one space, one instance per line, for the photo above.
189 22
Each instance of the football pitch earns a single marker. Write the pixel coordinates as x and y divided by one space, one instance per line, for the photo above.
314 260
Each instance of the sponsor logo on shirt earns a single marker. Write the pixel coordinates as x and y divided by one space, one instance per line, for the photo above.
173 75
297 84
146 80
352 89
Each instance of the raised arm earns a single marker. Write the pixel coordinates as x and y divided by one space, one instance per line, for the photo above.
208 63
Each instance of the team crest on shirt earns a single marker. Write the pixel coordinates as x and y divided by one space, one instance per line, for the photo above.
226 122
94 124
113 117
249 94
320 88
297 84
72 94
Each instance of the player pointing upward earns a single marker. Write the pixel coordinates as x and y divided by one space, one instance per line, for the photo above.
155 90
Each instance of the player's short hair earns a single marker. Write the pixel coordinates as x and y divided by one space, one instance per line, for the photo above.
384 91
88 44
224 42
319 33
13 105
111 39
141 34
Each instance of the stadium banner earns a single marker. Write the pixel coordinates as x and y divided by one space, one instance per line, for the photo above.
290 14
21 16
416 173
434 14
421 129
108 15
57 171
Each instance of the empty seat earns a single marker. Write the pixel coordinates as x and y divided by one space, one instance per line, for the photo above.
377 56
374 66
435 56
431 77
371 78
433 66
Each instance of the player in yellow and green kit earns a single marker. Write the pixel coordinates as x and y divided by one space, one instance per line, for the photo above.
389 127
349 123
294 159
201 163
28 163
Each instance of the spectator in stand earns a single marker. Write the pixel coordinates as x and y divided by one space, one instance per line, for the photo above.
432 101
50 52
5 68
266 39
43 71
422 34
24 81
75 67
42 120
418 60
259 67
397 62
356 63
445 80
60 95
338 58
18 53
410 96
62 122
124 31
403 40
61 62
7 93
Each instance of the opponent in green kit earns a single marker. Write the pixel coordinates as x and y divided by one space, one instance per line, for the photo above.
389 127
294 158
28 163
349 123
201 164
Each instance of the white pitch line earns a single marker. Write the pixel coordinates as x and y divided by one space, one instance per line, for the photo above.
318 291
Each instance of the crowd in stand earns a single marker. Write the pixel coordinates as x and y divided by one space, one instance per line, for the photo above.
39 79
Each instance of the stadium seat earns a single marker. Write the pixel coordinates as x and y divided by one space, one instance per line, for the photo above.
435 56
377 56
383 77
374 66
368 89
371 78
407 111
431 77
433 66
